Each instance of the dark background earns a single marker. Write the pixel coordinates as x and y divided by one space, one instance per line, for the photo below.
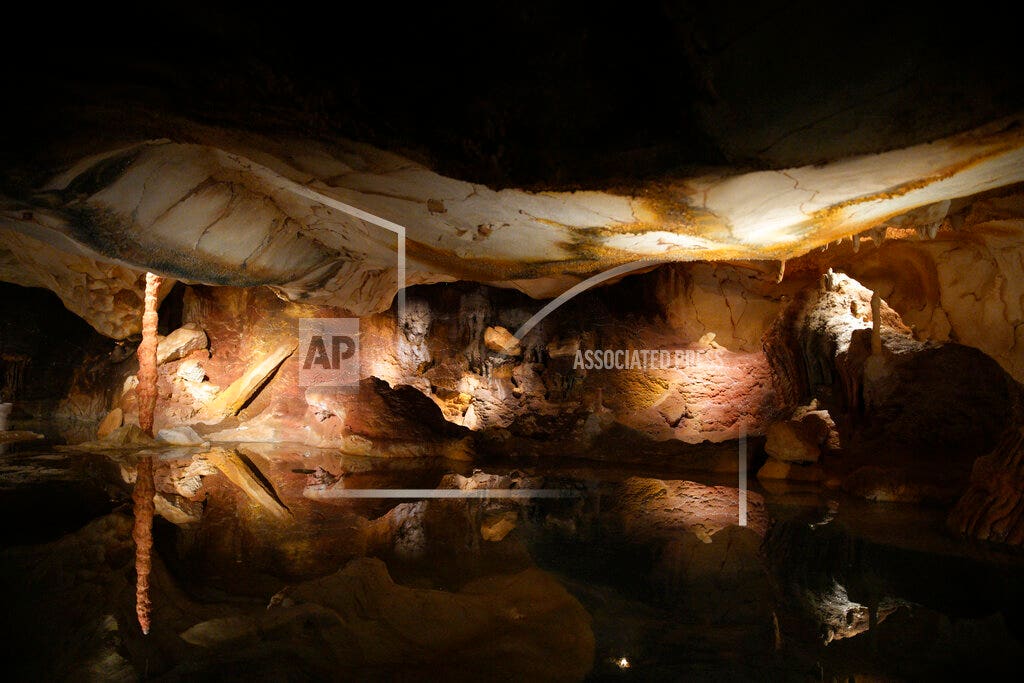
534 94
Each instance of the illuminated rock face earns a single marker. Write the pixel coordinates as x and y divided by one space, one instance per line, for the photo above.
965 285
235 209
710 320
432 380
937 236
909 396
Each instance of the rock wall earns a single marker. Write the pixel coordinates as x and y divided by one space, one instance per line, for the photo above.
755 339
435 376
965 285
908 397
992 508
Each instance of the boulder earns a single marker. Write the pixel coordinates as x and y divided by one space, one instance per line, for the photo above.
821 422
113 420
793 441
191 371
178 344
817 425
231 400
500 340
125 436
180 436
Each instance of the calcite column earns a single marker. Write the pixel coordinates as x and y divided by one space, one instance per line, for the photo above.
142 496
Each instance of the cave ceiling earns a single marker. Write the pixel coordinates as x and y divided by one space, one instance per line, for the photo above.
527 145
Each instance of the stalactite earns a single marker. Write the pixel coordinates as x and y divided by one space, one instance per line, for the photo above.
142 496
878 234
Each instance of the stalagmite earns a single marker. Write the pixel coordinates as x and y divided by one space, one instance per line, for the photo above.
142 496
876 324
828 281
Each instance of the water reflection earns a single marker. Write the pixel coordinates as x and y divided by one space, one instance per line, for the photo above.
670 585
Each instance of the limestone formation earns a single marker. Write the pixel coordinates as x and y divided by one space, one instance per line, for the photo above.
237 394
176 509
191 371
180 436
793 441
113 420
673 335
497 526
992 508
331 257
148 354
178 344
876 324
500 340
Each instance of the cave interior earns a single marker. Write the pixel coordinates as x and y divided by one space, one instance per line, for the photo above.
537 341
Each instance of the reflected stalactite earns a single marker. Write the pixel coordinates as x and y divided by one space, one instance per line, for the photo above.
142 534
142 496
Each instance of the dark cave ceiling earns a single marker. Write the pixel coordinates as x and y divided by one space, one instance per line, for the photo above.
527 94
